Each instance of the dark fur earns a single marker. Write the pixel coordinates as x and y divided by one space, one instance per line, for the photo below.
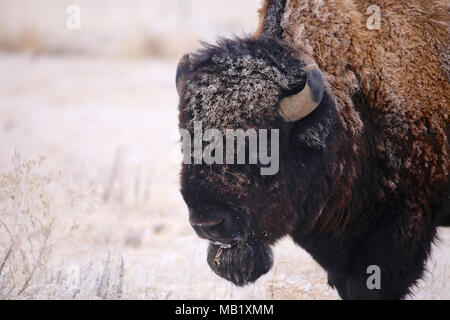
272 19
252 259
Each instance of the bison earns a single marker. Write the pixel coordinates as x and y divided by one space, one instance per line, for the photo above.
362 115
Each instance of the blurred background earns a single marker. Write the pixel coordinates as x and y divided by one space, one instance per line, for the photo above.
89 160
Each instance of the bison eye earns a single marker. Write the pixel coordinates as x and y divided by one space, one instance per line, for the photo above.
312 132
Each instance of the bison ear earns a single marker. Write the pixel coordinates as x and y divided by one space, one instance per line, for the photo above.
182 69
300 104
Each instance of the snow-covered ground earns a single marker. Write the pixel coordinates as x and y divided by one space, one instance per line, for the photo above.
106 119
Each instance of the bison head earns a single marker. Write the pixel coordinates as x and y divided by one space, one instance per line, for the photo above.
255 83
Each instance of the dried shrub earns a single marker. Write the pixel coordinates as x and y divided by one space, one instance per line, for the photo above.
32 210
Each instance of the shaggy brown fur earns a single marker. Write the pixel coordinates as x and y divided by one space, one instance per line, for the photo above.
402 70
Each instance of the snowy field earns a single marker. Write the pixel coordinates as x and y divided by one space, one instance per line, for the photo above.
89 163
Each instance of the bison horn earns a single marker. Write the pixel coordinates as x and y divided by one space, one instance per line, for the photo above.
183 66
299 105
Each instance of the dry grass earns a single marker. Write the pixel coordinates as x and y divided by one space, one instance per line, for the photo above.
36 213
30 222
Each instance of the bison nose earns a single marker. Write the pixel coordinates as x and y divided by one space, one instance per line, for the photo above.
205 218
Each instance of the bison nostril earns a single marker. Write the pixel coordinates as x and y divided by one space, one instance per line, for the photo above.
205 219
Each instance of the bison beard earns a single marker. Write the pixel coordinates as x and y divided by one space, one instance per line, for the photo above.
242 263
